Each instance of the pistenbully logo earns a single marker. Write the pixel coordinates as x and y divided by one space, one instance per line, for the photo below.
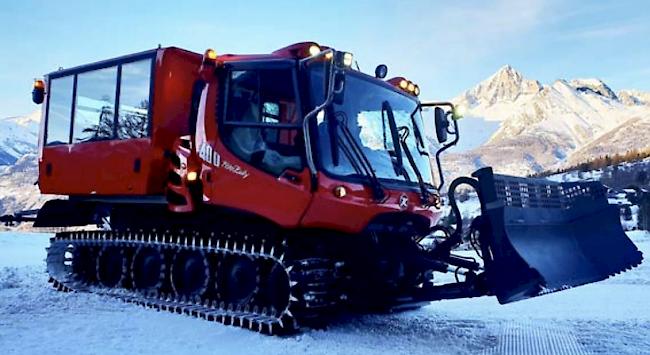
403 202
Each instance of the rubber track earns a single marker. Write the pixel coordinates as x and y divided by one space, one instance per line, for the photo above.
254 317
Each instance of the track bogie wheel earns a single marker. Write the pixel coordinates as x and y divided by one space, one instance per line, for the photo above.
190 273
148 270
111 266
238 279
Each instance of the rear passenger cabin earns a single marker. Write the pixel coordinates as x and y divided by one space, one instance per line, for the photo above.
106 126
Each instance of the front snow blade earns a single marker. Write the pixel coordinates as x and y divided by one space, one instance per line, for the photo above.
539 236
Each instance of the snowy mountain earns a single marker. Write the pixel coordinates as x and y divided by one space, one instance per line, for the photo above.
546 126
18 136
634 97
19 163
18 191
630 135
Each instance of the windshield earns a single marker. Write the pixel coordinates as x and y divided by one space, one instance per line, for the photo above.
362 116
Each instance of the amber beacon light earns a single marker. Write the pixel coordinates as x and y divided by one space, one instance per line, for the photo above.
38 93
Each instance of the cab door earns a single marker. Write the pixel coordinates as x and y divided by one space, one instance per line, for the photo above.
260 147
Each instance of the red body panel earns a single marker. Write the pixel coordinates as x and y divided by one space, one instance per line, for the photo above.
356 209
277 199
108 167
102 168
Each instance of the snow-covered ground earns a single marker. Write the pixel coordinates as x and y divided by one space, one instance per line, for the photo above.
610 317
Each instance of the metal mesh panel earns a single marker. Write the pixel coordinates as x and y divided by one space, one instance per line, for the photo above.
540 193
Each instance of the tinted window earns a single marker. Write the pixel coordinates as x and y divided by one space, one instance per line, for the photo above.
133 112
60 108
262 96
95 105
361 120
259 102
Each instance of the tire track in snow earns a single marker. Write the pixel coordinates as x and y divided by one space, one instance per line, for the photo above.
536 337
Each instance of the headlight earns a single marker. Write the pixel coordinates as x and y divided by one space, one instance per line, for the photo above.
411 87
343 59
347 59
340 191
314 49
210 55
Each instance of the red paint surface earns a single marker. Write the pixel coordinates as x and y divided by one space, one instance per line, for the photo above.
107 167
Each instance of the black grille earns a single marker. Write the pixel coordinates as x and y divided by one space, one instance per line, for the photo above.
541 193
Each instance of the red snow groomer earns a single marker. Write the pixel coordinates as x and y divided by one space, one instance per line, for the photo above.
271 191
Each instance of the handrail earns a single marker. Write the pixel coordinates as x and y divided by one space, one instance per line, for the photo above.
305 124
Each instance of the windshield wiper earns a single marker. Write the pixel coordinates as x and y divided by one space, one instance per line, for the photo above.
360 162
332 132
340 143
409 156
418 134
399 163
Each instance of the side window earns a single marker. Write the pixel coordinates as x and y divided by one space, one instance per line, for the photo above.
59 110
262 121
95 105
93 115
244 100
271 112
262 96
133 120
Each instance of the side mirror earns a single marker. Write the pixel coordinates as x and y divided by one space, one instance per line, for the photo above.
442 124
381 71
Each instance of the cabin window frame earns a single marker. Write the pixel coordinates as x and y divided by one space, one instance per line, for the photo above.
223 110
117 63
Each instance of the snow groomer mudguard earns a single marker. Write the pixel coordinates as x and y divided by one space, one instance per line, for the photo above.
539 236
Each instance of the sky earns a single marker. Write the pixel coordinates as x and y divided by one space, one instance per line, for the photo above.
446 47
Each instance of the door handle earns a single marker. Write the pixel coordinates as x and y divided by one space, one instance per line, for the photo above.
292 177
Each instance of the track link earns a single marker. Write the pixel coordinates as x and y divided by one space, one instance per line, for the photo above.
302 288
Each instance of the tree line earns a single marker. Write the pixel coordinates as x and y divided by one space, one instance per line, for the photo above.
600 162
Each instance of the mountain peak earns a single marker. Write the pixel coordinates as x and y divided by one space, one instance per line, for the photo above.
506 84
593 85
33 118
507 72
505 76
634 97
